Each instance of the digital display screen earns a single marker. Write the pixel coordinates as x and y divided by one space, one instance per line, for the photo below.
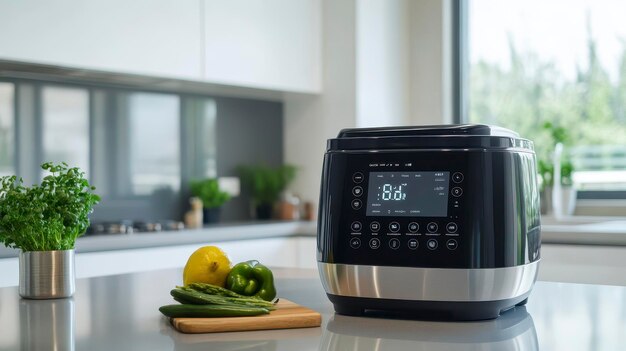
408 194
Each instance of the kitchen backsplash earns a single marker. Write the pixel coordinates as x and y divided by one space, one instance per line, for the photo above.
139 147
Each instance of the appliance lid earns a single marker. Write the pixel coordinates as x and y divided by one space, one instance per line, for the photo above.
429 130
452 136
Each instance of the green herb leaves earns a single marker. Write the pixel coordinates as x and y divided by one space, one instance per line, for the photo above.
49 216
209 192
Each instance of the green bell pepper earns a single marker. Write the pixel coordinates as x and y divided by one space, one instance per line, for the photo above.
251 278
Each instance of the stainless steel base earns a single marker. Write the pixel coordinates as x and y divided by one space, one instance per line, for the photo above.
46 274
428 284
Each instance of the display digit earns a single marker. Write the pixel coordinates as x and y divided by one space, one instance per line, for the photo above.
387 192
397 195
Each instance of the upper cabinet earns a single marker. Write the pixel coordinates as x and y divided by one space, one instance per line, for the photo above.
148 37
266 44
263 43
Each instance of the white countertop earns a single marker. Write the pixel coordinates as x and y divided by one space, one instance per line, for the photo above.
214 233
584 230
121 313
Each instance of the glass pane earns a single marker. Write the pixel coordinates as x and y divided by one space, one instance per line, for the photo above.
554 71
7 131
155 143
65 114
208 130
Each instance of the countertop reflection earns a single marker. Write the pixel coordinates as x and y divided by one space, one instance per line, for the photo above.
121 313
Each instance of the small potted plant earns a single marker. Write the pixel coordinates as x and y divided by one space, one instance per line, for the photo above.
43 221
208 190
266 184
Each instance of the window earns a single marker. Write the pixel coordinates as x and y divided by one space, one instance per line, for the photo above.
554 71
155 144
7 130
66 126
137 147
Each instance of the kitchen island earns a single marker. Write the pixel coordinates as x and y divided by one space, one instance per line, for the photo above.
120 312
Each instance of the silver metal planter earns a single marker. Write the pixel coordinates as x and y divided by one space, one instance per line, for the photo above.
47 274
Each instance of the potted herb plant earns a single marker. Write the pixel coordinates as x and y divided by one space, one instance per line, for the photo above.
43 221
208 190
266 184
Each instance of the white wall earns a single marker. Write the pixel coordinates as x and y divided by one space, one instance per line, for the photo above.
310 120
431 55
383 63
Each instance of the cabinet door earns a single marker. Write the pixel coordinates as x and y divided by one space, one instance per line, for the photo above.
149 37
271 44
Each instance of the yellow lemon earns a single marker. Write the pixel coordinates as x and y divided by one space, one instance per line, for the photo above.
208 264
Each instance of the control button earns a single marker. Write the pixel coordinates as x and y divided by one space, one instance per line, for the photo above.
413 227
356 226
432 227
356 204
413 244
452 244
432 244
355 243
457 191
357 191
457 177
357 177
451 227
374 243
394 243
394 227
375 226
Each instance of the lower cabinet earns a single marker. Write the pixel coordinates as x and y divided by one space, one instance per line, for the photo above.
274 252
290 252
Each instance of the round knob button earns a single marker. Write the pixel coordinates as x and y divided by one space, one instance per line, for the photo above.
357 177
413 227
394 243
355 243
451 227
413 244
375 226
394 227
452 244
356 226
374 243
432 227
357 191
457 177
457 191
432 244
356 204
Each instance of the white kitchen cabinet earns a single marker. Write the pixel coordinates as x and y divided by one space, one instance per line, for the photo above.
269 44
290 252
149 37
265 44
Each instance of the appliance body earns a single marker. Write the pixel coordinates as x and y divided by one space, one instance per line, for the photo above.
442 222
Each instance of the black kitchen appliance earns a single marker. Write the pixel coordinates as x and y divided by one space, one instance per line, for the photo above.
440 222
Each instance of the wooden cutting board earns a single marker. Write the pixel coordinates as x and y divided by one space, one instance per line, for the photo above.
287 315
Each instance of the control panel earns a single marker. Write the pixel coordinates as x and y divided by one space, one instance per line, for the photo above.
403 212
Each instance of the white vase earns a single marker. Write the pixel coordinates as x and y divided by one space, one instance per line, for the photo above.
564 200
